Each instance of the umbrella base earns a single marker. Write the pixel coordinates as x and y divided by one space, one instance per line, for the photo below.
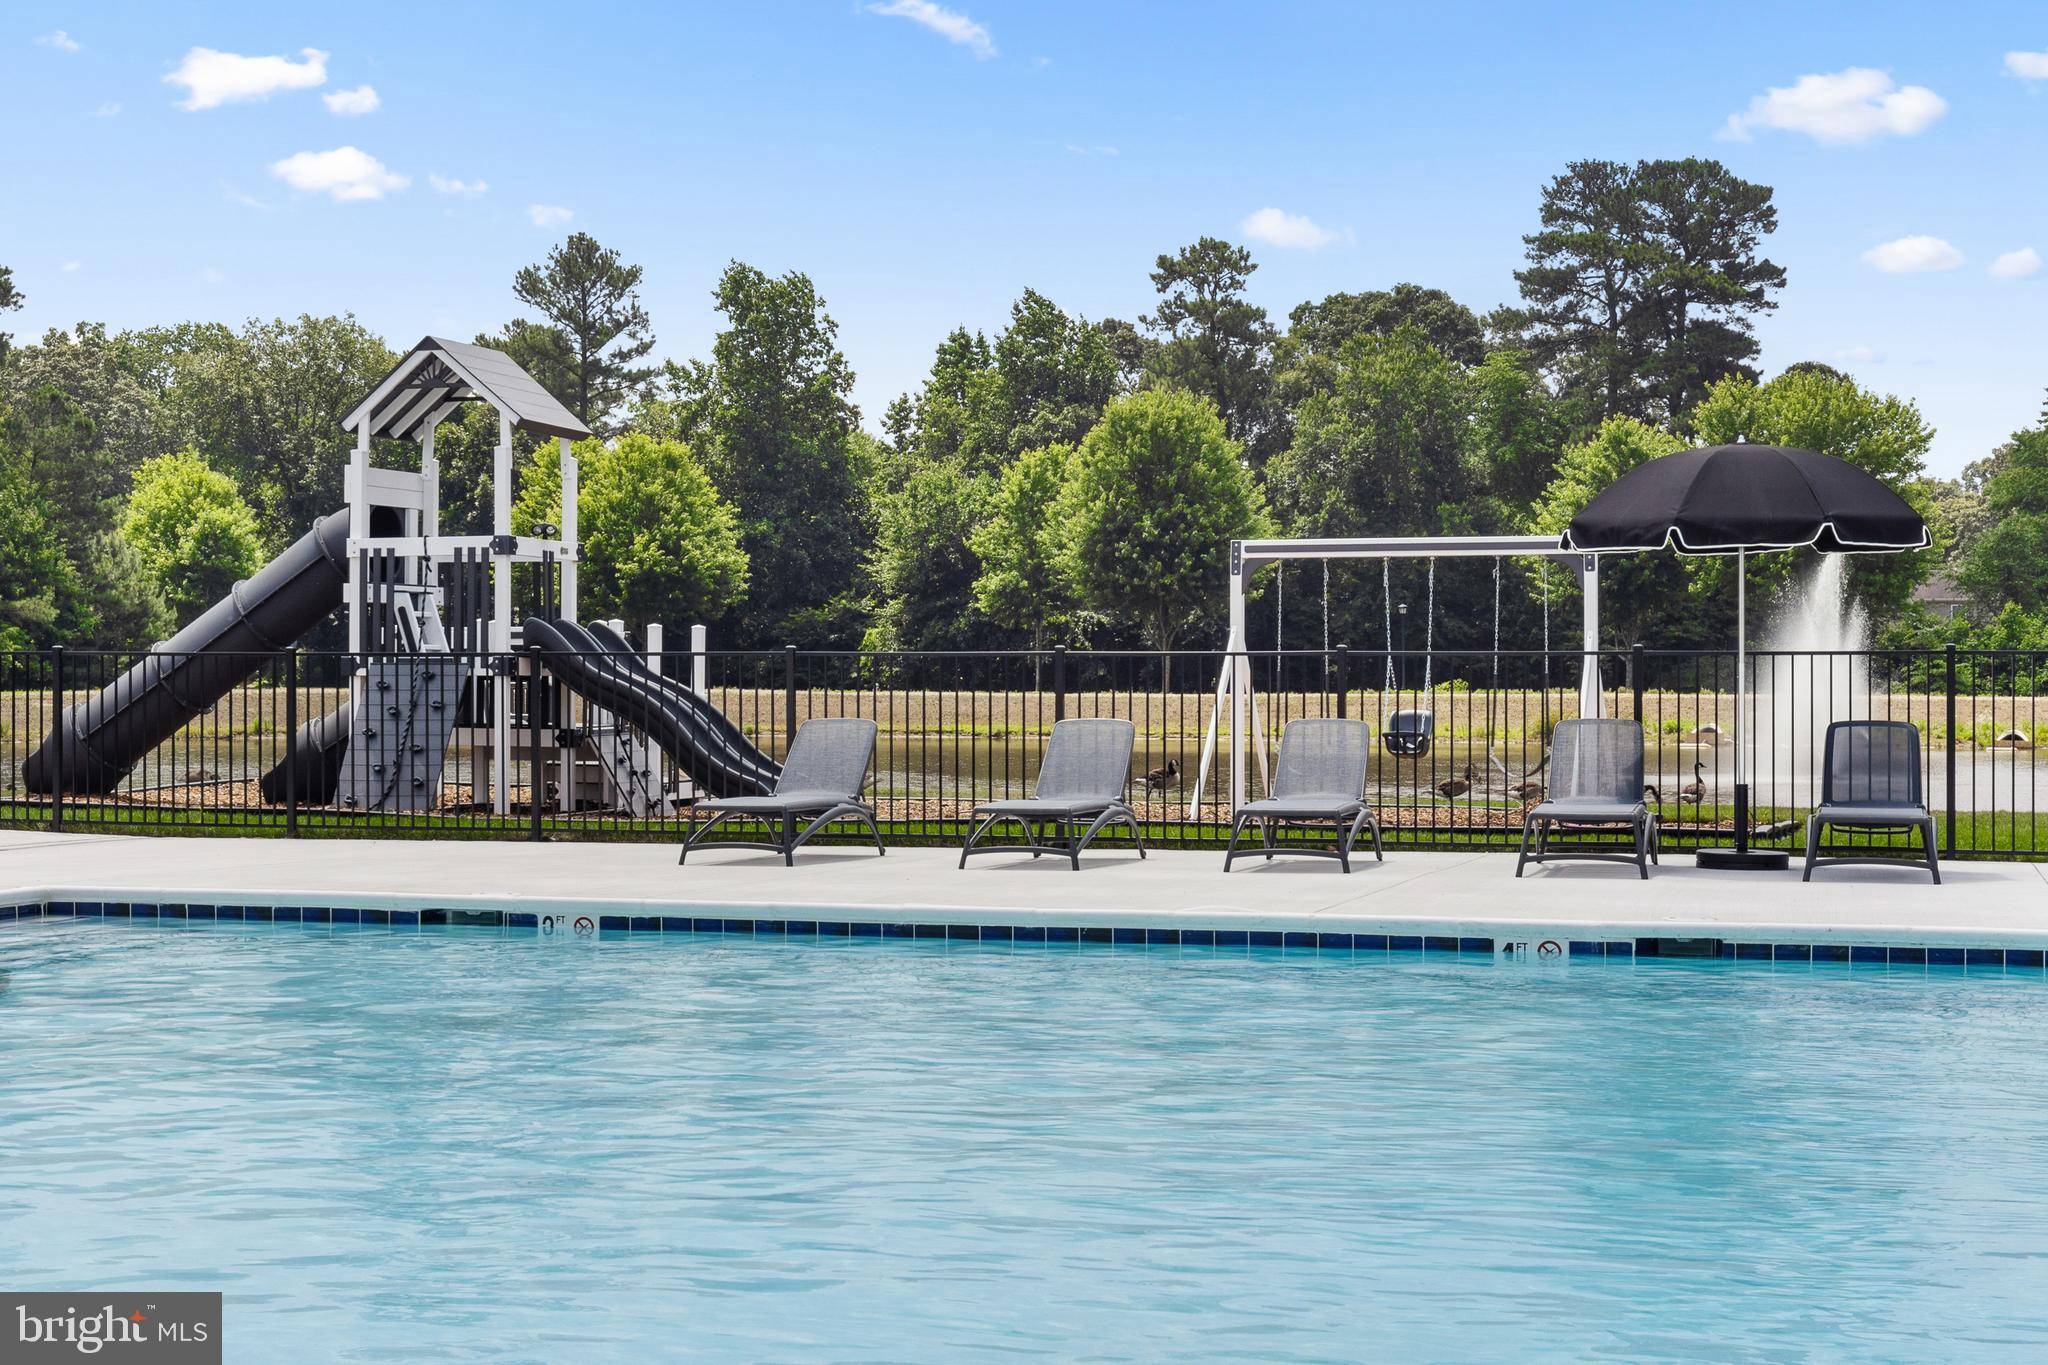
1742 859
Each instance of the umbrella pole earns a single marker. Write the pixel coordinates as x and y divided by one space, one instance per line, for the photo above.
1741 698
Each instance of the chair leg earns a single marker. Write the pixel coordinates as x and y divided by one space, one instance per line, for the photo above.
789 840
1266 838
973 835
1230 849
1927 847
1522 860
1643 849
1812 846
697 835
1137 832
1379 854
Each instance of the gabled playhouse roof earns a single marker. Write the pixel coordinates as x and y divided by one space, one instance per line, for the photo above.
438 375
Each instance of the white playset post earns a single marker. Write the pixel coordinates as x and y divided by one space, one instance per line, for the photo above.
1234 692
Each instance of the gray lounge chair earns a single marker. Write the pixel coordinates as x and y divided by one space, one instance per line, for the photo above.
1080 784
1319 779
1871 781
822 777
1596 781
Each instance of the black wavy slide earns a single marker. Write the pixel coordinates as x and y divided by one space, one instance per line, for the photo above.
691 731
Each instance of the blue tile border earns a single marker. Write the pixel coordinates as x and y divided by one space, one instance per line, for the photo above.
1287 941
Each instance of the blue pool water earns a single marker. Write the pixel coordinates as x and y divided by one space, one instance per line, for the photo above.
448 1144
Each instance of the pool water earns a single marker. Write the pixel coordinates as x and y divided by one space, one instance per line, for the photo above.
452 1144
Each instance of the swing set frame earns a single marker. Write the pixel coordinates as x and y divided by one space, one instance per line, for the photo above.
1234 691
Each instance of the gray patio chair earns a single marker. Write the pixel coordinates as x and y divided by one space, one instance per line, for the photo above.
1081 783
1871 781
1596 781
1319 779
822 777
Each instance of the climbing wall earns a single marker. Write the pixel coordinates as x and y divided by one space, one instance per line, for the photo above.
398 737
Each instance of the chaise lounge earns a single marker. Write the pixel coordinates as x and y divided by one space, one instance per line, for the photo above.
1596 781
822 777
1871 782
1080 791
1319 779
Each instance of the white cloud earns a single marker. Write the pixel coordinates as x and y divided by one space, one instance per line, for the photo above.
951 25
549 215
1855 105
2017 265
108 110
2028 66
213 274
346 173
349 103
469 189
1075 149
1860 355
69 266
60 40
1913 256
212 78
245 199
1276 227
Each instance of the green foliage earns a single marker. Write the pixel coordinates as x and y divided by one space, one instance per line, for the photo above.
1212 341
595 334
11 301
1517 431
922 566
1305 360
772 413
1643 597
657 542
1023 585
264 406
38 586
1157 492
1881 434
1644 281
2007 562
191 532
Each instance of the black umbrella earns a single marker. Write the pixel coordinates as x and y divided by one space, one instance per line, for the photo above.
1734 500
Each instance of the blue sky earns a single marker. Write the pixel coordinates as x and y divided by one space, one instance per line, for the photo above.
926 165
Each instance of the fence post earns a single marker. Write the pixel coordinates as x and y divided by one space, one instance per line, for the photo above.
59 732
1059 683
788 695
1948 842
291 747
1635 676
1343 682
534 783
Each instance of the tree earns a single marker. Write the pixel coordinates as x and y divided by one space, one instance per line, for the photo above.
2005 563
591 298
1157 492
264 406
1212 341
1023 584
1324 328
922 567
1517 431
1880 434
774 416
38 586
191 532
1644 281
10 302
83 421
656 541
1642 597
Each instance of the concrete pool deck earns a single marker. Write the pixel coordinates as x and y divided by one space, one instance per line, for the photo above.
1464 896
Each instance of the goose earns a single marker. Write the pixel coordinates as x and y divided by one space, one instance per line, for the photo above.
1652 795
1457 786
1528 789
1693 791
1157 779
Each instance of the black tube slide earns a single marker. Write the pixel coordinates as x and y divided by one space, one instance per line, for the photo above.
318 750
607 638
677 720
102 738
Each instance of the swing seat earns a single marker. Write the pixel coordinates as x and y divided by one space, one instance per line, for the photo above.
1409 733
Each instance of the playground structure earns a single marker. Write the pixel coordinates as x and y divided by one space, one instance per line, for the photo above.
1408 732
439 654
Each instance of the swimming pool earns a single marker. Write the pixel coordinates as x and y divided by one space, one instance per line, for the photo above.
456 1142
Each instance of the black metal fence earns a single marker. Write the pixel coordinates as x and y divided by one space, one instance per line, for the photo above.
308 743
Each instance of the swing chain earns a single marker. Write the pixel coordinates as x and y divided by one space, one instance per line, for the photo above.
1429 629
